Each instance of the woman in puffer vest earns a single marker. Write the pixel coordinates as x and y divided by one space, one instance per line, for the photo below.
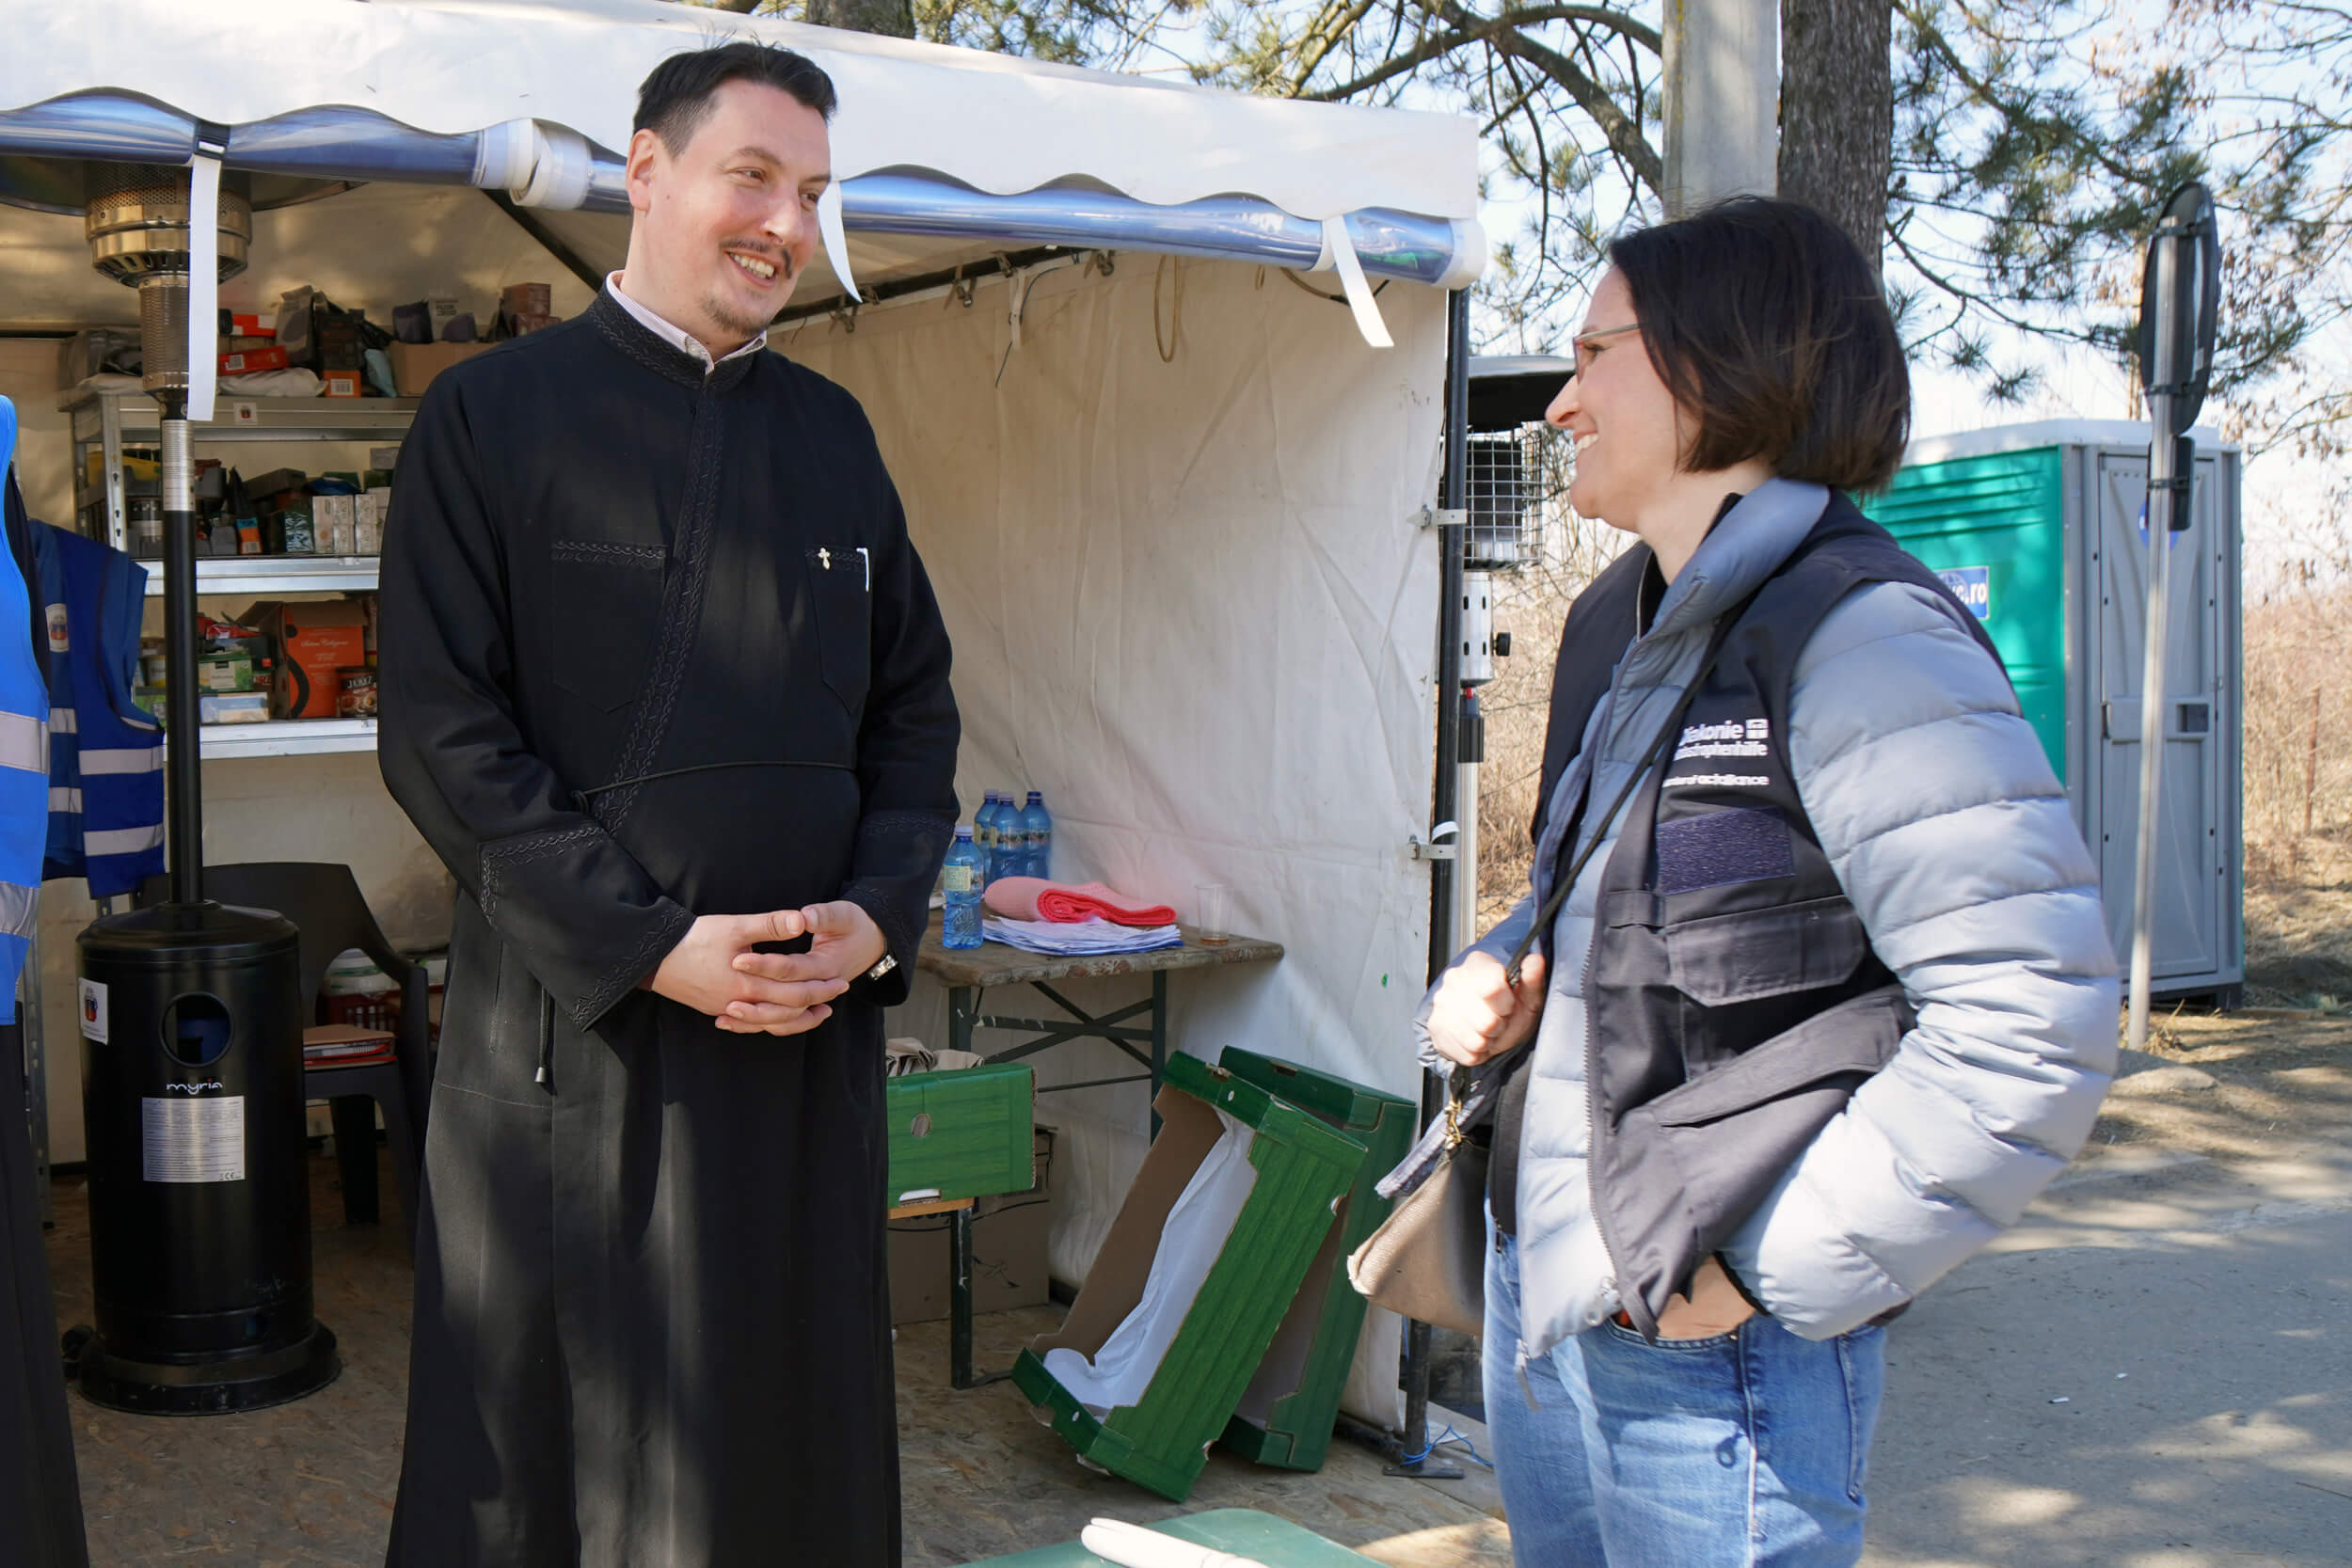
1817 992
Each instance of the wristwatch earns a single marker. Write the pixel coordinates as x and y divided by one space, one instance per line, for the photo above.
887 964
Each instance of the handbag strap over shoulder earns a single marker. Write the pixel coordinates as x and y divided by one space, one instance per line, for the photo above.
1599 836
1457 1086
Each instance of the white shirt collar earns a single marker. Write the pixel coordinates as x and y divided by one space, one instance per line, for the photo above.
684 341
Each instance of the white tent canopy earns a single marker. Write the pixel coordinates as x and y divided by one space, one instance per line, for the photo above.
1170 504
994 122
536 97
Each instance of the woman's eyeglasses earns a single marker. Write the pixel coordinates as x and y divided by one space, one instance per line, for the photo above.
1586 349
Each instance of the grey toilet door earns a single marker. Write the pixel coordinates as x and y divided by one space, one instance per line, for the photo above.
2191 871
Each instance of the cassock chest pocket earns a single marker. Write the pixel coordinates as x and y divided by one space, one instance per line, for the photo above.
1743 957
608 605
841 594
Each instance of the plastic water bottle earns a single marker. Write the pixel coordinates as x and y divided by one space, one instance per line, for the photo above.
961 879
984 834
1007 860
1037 836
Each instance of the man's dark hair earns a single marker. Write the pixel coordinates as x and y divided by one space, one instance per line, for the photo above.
1766 323
676 98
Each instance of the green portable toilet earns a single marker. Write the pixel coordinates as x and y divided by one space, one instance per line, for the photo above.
2036 528
1292 1402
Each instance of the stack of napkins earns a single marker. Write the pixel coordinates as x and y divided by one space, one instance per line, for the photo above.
1074 938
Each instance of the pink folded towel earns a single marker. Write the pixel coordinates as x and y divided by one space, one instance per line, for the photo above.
1035 898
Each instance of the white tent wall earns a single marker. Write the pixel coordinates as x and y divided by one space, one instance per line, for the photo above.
1190 602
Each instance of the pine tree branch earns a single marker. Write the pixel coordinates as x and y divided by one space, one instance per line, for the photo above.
1470 28
1622 132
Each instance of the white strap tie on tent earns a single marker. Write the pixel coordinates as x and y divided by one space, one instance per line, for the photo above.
203 277
1340 251
836 242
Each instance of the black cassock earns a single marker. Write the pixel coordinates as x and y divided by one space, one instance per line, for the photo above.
41 1504
40 1501
654 645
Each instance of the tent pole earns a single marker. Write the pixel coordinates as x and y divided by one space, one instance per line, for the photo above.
1453 495
548 239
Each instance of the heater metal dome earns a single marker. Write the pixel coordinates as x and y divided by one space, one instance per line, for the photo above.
137 222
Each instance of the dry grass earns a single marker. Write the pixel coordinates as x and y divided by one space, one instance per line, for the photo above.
1533 607
2299 794
2298 921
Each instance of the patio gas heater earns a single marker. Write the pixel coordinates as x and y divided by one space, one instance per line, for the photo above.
191 1085
1512 473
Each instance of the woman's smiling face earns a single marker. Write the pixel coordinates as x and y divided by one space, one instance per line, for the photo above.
1626 426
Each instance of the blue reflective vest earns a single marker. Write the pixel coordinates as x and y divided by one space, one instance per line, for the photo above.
105 752
23 762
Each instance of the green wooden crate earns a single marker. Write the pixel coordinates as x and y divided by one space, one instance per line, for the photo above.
1241 1531
964 1133
1286 1414
1303 1169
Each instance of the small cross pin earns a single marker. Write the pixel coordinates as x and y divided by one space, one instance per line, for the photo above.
824 559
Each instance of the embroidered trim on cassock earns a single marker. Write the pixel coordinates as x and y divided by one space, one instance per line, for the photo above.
501 854
596 552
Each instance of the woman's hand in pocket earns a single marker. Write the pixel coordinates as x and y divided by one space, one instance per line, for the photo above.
1477 1014
1713 1307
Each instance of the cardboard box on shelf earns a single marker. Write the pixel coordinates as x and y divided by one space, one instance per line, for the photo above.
367 524
313 641
338 342
525 299
415 365
290 530
255 362
232 708
224 672
341 384
240 324
334 521
263 485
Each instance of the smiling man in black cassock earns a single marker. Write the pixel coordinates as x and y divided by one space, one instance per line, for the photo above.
664 684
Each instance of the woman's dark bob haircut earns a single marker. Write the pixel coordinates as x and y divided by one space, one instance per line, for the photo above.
1773 332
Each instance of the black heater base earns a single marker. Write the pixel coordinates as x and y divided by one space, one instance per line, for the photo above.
221 1388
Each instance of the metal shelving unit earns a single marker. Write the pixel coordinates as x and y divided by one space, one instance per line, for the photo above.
266 575
286 738
112 421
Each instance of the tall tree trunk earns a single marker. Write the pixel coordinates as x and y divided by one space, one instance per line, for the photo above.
1837 112
895 18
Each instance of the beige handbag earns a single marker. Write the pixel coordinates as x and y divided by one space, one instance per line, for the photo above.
1428 1259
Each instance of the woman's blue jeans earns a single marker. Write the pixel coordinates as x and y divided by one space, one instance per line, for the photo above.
1745 1450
